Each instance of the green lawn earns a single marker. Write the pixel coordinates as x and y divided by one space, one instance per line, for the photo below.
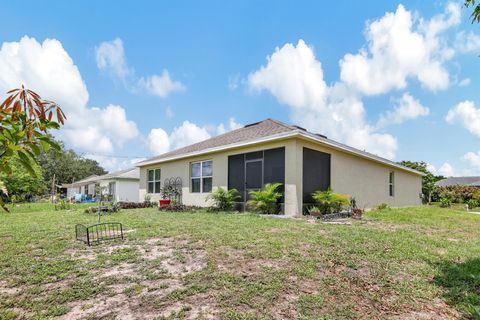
417 263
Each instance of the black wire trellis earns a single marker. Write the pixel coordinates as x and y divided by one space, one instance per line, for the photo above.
174 187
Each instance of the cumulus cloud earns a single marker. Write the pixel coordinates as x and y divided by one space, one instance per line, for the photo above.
446 170
113 163
186 134
159 141
472 159
467 42
406 108
467 115
295 77
399 48
232 125
110 57
49 70
161 85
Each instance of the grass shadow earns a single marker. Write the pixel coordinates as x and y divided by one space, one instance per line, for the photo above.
462 284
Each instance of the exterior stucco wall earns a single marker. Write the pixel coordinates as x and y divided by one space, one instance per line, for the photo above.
181 168
368 181
127 190
364 179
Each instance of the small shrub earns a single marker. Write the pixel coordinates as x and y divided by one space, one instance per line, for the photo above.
223 200
383 206
445 202
330 202
473 203
179 208
265 200
63 205
315 211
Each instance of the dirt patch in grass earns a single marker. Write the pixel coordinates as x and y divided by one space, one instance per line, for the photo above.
141 286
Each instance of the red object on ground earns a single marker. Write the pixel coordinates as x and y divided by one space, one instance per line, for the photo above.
164 202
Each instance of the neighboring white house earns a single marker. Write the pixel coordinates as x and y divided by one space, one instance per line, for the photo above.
122 185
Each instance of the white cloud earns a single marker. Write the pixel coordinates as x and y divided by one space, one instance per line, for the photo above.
113 163
431 168
466 115
45 68
110 57
446 170
465 82
232 125
398 48
295 77
406 108
161 85
158 141
169 112
186 134
473 159
467 42
48 69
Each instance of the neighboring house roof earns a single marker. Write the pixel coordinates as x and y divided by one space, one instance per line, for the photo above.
263 131
462 181
131 173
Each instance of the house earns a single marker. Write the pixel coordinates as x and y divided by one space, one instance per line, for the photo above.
122 185
272 151
461 181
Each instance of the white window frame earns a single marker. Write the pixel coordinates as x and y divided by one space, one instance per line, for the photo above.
391 183
201 177
154 181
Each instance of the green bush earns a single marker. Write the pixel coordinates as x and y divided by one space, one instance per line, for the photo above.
330 202
265 200
223 200
445 202
458 193
473 203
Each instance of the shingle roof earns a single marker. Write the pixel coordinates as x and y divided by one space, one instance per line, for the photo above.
252 131
268 128
462 181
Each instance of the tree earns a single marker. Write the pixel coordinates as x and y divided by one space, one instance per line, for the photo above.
25 120
66 165
21 184
476 10
428 180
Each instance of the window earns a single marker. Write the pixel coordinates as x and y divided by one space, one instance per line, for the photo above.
391 183
201 174
153 181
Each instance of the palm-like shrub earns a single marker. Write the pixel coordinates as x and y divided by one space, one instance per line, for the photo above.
265 200
329 202
223 200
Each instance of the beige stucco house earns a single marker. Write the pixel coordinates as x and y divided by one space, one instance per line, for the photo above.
272 151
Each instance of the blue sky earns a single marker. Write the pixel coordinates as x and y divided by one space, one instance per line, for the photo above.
399 79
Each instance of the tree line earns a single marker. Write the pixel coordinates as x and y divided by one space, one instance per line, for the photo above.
62 164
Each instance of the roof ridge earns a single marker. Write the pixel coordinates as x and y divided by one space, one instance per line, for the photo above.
291 127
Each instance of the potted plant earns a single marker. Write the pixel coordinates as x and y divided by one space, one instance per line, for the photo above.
315 211
166 196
